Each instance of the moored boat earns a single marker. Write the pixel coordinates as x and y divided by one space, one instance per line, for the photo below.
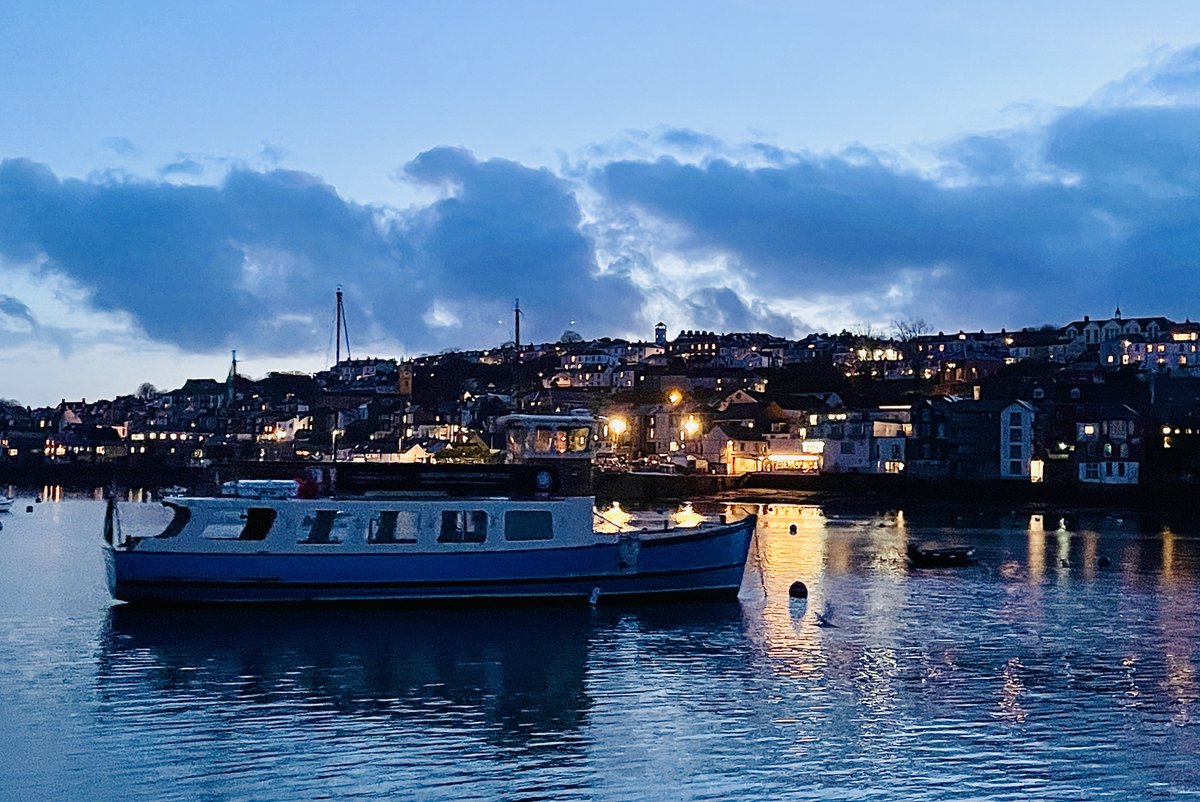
523 530
940 557
6 504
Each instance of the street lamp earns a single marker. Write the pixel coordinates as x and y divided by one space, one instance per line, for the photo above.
689 429
616 427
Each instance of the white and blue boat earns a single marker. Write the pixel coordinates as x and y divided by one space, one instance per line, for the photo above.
525 530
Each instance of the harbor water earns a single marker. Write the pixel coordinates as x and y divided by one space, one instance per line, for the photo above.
1063 665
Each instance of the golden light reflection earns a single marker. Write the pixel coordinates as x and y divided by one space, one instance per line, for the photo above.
1168 556
1091 557
612 520
1011 692
1037 557
687 517
789 546
1062 554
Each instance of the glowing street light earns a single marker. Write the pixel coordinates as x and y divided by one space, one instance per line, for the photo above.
618 426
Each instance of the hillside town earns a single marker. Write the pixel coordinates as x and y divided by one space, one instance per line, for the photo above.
1107 401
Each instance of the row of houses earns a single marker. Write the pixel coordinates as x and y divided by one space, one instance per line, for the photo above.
932 406
1061 433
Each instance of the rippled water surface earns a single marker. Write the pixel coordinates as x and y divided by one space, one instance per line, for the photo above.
1062 666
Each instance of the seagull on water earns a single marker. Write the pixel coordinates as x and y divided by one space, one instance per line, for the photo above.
825 617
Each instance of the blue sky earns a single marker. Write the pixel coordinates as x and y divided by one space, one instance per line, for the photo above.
179 179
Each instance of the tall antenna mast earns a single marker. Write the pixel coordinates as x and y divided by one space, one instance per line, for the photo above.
230 390
342 331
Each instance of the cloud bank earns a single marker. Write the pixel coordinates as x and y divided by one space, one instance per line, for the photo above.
1081 211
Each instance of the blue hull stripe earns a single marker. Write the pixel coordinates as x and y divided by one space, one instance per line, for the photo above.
701 581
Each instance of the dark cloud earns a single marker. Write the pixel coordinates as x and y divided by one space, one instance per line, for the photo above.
722 309
271 154
253 261
120 145
509 231
688 140
183 166
1099 207
15 315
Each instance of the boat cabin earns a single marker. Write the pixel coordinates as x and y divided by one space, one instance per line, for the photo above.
561 447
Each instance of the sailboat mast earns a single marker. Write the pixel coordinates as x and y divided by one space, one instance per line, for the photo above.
517 327
342 331
230 384
337 332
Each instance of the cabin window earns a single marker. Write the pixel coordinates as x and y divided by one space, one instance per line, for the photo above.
239 525
258 523
224 525
463 526
580 438
327 526
543 439
394 526
517 436
528 525
181 517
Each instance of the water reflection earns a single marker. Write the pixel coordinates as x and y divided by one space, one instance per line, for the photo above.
515 674
1042 672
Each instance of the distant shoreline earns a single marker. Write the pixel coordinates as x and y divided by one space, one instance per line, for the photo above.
858 491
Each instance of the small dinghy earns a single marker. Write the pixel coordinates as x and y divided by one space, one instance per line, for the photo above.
942 557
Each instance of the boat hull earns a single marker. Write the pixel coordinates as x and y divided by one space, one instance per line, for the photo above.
701 563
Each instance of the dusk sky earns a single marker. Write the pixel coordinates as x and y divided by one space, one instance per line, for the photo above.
180 179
